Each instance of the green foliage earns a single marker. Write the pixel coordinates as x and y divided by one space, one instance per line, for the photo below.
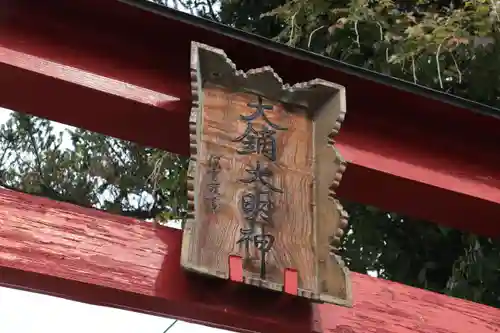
436 43
92 170
422 254
447 45
251 21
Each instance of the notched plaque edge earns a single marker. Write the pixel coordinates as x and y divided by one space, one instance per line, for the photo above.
343 224
210 64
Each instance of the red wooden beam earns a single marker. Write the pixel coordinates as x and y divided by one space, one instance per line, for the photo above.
409 154
99 258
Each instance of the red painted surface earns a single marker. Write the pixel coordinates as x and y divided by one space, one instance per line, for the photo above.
73 62
99 258
412 155
236 268
291 282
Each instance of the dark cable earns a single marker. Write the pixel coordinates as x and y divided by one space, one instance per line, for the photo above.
170 326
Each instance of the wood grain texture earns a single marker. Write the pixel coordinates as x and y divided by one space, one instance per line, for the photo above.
421 152
305 221
331 218
99 258
292 223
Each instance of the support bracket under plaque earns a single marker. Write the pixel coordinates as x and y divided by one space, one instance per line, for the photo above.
262 180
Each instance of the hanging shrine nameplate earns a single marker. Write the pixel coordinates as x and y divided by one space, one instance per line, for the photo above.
262 180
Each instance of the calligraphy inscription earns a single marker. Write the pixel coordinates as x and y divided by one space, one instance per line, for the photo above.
256 203
213 185
261 180
265 174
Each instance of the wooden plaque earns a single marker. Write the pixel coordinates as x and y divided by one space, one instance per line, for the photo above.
262 179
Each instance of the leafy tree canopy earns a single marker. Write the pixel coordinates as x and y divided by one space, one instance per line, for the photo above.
446 45
451 46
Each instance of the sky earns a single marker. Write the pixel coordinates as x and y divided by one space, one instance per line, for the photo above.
27 312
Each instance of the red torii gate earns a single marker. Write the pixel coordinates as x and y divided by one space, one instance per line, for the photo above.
77 62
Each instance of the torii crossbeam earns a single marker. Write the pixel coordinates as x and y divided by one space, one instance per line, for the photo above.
78 61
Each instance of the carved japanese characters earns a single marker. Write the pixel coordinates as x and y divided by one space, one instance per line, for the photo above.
261 180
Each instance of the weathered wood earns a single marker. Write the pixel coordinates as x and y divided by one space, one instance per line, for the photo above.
99 258
392 139
263 171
